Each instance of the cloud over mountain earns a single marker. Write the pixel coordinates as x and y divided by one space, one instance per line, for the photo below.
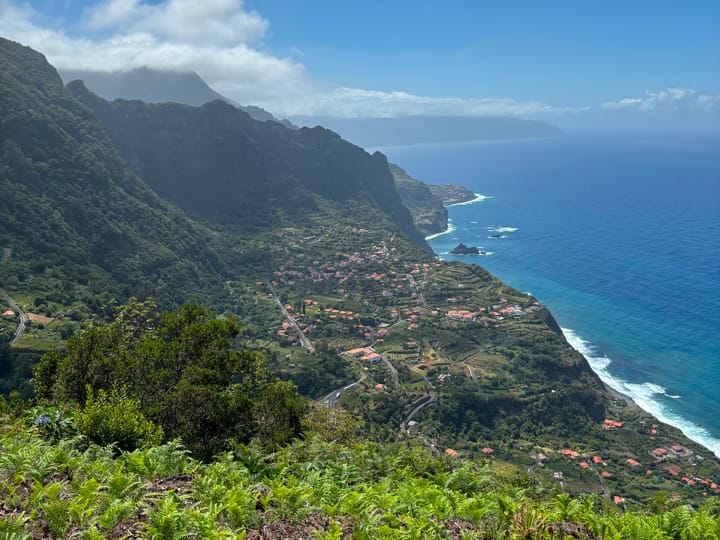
224 42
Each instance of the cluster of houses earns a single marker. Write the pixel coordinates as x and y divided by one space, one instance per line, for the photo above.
663 453
487 451
462 315
498 312
611 424
369 265
364 354
386 275
660 454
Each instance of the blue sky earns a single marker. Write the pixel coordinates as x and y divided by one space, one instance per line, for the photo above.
571 52
607 60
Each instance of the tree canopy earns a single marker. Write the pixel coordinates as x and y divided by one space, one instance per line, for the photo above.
184 371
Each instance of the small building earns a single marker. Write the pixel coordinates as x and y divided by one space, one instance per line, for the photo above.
677 449
8 313
450 452
633 463
612 424
488 451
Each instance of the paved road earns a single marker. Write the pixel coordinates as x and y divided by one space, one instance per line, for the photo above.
332 398
23 318
426 400
393 372
303 339
605 490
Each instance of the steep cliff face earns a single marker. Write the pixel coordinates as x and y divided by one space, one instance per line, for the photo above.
219 164
70 207
428 210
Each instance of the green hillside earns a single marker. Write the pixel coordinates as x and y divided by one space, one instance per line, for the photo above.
332 322
78 228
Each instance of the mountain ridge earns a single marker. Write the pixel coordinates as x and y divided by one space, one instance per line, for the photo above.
158 86
244 160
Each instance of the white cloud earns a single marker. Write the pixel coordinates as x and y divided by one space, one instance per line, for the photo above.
111 13
220 22
212 37
356 102
669 99
216 38
221 40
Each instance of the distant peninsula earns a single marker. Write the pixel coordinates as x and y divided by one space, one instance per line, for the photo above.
452 193
428 202
378 132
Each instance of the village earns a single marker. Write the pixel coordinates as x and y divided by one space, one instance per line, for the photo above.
381 313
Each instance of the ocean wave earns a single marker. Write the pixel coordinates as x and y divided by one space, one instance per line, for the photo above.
502 229
644 394
478 198
450 229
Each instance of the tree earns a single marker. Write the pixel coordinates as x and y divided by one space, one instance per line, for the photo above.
183 371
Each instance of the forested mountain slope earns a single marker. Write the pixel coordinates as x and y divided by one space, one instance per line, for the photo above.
71 210
219 164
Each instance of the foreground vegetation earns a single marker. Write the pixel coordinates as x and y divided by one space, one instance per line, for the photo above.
243 457
56 484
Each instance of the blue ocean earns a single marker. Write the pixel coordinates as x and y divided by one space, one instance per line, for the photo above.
619 237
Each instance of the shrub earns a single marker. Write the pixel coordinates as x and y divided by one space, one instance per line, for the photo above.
114 418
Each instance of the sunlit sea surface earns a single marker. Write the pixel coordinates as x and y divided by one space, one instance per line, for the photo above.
619 237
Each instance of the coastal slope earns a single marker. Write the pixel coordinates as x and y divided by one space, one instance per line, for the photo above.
428 210
308 241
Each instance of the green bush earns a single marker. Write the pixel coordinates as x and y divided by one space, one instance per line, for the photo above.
114 418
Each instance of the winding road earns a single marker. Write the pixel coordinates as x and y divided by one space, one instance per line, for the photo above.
23 318
333 396
427 399
393 371
303 339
